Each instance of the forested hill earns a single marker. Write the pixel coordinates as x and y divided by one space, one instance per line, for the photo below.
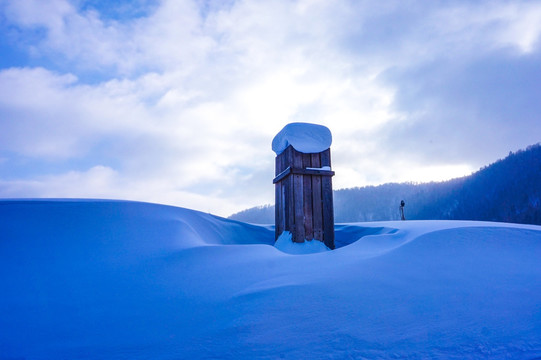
508 190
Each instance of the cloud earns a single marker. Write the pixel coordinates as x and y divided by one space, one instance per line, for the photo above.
179 103
169 37
105 183
482 108
52 116
132 132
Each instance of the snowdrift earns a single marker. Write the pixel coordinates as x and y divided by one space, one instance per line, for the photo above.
85 279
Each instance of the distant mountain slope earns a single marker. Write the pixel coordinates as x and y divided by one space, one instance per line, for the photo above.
256 215
508 190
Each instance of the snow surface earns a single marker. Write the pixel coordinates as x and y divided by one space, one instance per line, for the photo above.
285 244
128 280
304 137
327 168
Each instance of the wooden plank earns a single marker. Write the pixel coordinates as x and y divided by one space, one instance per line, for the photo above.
282 175
325 158
289 193
311 172
276 198
298 194
286 208
307 199
317 202
283 208
327 196
328 212
277 210
288 171
284 218
288 156
298 235
315 160
278 213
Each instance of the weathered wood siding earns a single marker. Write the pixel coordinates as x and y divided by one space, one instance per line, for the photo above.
304 199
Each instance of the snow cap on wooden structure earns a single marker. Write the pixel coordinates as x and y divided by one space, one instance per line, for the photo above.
304 137
304 198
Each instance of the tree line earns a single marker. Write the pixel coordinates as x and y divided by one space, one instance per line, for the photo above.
508 190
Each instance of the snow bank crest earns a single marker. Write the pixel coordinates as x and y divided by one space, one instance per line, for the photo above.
304 137
285 244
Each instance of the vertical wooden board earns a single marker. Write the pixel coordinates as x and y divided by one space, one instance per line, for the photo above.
288 157
327 196
298 235
279 212
277 198
326 158
306 160
283 206
307 199
290 203
317 201
284 163
315 160
328 211
285 194
288 216
281 220
277 209
289 213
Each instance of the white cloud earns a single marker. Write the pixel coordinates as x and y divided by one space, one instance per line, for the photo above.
186 102
170 37
106 183
51 115
479 27
523 26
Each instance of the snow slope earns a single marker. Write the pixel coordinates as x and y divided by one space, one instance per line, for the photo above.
82 279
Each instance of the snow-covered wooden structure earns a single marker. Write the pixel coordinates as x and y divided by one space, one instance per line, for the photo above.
303 183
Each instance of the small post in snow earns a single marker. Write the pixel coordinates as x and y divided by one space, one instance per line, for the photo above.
303 183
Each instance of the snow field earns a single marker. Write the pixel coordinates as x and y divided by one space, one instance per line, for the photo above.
85 279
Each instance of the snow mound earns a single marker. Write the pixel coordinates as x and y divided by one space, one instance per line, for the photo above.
127 280
285 244
304 137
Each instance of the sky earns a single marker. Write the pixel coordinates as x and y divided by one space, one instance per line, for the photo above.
177 101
